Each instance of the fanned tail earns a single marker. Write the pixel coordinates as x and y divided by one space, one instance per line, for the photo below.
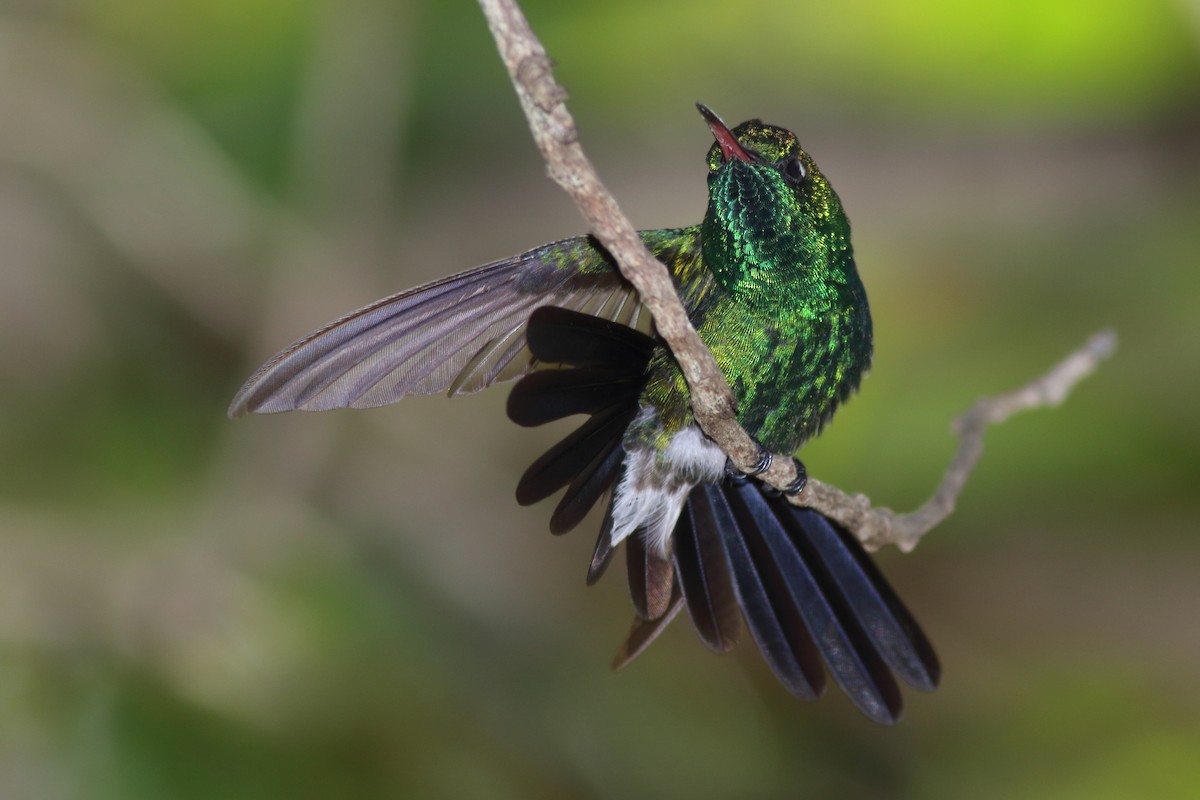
809 594
812 599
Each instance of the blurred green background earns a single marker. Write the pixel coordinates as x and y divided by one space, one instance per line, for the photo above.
352 604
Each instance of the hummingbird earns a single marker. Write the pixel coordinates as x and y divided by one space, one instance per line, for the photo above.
769 281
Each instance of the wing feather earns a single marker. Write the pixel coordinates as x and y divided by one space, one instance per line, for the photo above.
457 335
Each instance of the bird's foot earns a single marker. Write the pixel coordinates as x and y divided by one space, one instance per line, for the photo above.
763 464
799 482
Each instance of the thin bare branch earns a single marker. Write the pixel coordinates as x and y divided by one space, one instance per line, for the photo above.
555 134
554 131
876 527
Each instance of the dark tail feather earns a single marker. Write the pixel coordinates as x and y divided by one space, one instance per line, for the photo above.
889 625
651 579
773 621
609 369
808 593
797 583
644 632
704 575
603 553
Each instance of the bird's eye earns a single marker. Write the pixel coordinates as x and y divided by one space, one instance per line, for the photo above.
793 170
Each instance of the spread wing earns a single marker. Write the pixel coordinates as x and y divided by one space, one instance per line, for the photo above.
456 335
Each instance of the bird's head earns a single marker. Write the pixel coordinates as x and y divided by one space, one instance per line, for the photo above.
758 144
770 207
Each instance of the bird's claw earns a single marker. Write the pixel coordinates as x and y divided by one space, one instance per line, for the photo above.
764 462
796 486
765 459
799 482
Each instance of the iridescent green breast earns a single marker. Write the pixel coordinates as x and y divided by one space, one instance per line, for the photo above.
788 372
786 314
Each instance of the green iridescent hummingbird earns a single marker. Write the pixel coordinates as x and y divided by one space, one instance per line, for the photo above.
769 281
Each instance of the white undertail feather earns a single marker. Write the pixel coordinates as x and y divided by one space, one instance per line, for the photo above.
653 487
